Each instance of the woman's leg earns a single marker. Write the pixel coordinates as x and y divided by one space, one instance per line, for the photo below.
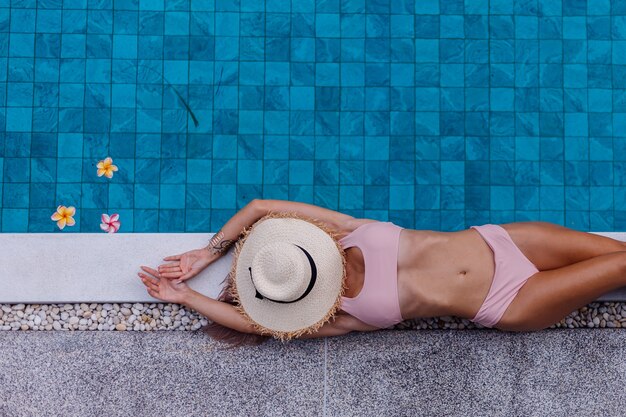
548 296
551 246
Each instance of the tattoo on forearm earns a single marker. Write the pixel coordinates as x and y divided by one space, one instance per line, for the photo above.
217 245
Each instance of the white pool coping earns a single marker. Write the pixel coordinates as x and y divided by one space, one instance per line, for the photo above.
42 268
47 268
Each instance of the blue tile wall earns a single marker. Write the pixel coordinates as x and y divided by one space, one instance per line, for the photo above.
433 114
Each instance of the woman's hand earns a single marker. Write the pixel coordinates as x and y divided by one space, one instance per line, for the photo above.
164 289
186 265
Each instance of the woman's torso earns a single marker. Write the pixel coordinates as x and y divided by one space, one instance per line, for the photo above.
439 273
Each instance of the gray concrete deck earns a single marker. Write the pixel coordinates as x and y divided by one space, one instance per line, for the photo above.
482 372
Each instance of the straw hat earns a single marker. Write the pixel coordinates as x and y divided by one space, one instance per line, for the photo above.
288 275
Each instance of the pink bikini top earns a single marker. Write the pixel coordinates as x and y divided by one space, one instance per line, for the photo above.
377 303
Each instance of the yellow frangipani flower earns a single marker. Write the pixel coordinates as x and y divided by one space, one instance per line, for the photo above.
63 216
106 167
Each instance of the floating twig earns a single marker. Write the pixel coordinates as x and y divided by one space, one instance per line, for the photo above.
193 116
219 84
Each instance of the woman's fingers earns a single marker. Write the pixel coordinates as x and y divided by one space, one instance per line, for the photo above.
148 274
186 276
171 274
150 270
163 268
170 265
148 282
172 258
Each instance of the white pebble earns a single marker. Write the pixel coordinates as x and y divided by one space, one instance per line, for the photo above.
170 316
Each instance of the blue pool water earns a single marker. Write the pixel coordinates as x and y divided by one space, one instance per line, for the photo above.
431 114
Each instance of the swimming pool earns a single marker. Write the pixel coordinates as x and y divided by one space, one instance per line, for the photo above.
431 114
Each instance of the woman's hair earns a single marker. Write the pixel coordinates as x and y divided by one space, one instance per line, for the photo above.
235 338
227 335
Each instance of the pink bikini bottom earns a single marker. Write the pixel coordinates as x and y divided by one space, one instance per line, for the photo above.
512 270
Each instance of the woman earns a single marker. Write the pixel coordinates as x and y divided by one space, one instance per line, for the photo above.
515 277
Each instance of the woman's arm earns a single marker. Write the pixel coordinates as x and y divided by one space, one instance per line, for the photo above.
226 315
343 324
189 264
257 208
334 219
229 233
218 311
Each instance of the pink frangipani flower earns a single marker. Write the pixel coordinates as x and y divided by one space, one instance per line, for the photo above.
110 224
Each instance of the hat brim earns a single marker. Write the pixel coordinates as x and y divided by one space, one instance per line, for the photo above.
288 320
